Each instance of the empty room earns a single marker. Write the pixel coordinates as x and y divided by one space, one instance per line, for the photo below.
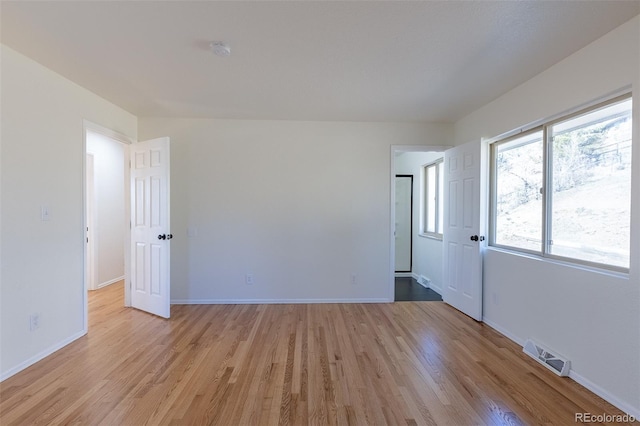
282 168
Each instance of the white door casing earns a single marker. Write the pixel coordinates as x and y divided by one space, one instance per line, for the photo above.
150 233
90 214
402 230
464 227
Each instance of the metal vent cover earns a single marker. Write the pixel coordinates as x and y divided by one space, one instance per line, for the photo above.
550 359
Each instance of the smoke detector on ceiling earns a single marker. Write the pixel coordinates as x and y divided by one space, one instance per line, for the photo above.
220 48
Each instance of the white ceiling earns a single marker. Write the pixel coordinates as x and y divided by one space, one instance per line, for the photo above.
300 60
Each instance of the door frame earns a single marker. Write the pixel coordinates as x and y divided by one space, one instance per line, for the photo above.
399 149
90 206
88 126
410 225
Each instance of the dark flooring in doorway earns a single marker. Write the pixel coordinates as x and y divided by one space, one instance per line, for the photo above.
409 290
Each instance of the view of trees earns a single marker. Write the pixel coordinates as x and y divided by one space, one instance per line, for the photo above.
579 155
519 170
589 166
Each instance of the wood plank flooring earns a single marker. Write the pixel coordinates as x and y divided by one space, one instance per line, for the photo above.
409 363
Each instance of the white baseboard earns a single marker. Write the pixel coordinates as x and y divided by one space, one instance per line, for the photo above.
602 393
271 301
504 332
403 274
421 279
427 282
422 284
436 288
113 281
18 368
433 286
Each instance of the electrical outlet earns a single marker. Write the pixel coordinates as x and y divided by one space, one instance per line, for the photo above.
354 279
34 322
248 279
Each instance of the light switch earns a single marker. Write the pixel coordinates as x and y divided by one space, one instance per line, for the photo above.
45 213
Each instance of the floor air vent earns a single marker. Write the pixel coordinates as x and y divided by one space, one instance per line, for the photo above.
544 356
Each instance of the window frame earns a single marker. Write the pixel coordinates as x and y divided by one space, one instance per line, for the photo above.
493 202
424 217
546 237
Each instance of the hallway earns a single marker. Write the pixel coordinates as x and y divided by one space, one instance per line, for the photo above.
407 289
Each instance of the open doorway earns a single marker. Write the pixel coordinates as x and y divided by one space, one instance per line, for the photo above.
423 280
107 205
403 230
105 211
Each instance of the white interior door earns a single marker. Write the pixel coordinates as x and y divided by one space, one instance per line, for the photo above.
150 233
404 188
462 237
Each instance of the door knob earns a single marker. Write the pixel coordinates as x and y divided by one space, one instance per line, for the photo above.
474 238
169 236
162 237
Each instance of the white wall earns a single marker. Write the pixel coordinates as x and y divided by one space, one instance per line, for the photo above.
300 205
109 213
42 164
427 252
592 318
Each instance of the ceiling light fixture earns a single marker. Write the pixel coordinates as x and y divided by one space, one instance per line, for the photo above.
220 48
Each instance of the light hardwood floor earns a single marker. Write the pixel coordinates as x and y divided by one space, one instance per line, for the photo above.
405 363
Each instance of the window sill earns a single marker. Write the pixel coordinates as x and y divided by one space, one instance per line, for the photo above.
560 262
437 237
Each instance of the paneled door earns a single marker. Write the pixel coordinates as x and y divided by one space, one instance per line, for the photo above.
462 237
150 233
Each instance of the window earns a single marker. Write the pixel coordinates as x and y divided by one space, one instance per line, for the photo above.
433 207
519 177
563 190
